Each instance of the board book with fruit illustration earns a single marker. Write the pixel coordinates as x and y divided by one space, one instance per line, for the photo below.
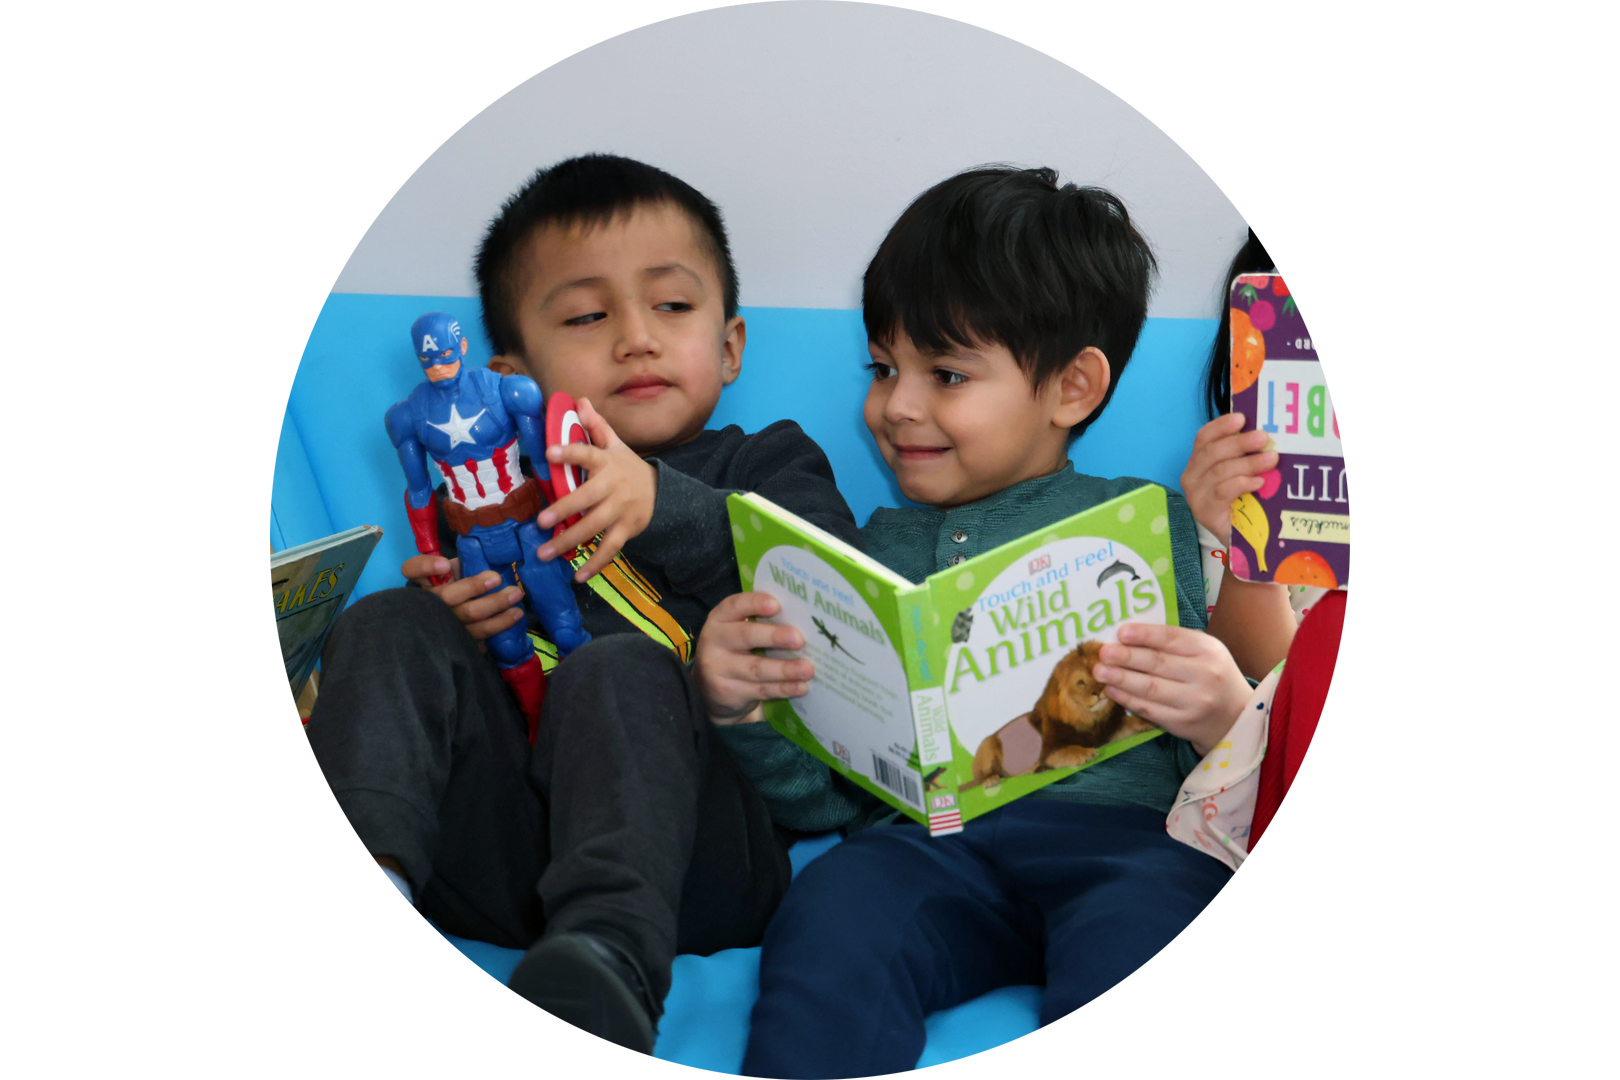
1296 529
310 584
950 697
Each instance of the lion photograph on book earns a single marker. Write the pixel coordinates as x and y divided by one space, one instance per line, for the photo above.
1071 721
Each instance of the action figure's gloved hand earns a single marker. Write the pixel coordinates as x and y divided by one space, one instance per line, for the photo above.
482 606
617 500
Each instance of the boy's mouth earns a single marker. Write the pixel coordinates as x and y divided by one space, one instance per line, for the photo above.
912 454
643 387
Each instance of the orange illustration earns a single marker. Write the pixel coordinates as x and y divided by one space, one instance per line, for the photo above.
1305 568
1248 351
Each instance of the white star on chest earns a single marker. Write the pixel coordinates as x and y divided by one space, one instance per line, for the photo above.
459 430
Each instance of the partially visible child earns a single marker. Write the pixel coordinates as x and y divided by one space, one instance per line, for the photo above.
626 832
1255 620
1000 309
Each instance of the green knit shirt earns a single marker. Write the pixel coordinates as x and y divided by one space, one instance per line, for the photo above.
805 795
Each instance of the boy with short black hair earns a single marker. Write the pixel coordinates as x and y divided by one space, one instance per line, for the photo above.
1000 310
625 833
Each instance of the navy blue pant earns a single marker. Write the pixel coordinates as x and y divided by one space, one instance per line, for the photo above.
892 925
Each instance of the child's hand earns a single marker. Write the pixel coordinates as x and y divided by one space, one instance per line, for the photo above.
1226 462
617 500
732 678
485 613
1182 680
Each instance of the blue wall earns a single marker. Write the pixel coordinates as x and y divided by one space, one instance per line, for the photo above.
335 467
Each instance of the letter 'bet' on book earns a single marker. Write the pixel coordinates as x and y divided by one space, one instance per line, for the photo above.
952 696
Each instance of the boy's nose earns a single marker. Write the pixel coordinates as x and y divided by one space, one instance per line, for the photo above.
636 336
904 402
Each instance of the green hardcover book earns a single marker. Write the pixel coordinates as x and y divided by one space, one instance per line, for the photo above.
933 695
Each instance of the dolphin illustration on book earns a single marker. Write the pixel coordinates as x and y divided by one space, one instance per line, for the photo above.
832 640
1120 566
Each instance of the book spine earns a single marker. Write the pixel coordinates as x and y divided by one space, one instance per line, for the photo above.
925 678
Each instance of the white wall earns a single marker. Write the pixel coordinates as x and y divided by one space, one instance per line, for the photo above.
811 124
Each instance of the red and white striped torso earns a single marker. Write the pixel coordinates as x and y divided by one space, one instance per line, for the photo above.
484 481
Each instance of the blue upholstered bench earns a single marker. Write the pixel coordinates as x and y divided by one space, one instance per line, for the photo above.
335 469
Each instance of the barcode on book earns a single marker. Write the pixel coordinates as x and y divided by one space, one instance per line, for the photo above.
903 782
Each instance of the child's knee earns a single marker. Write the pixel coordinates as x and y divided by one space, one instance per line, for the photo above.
402 621
622 661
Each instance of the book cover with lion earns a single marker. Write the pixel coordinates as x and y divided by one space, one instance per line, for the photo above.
952 696
1296 529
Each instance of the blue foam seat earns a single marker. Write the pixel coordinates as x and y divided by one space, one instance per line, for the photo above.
705 1022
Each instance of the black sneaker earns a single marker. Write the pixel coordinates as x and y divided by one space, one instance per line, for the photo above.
589 983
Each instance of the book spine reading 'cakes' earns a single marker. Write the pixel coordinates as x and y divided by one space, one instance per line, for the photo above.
925 678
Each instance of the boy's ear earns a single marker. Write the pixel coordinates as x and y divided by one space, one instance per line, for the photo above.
1081 387
731 350
502 366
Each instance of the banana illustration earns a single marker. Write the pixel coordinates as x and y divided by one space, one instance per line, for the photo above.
1249 519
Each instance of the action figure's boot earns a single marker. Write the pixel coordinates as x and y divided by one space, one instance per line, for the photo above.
528 683
587 981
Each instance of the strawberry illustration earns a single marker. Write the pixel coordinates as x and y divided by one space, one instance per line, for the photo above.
1262 316
1278 287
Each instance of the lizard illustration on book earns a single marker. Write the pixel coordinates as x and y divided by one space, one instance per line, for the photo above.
832 640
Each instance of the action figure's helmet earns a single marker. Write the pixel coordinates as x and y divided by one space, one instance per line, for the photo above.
437 339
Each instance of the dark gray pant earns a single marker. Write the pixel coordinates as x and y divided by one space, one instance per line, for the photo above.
627 818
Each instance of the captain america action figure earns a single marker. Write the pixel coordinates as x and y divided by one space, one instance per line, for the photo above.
471 424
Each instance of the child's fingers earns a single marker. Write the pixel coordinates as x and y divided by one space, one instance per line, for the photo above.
743 636
588 457
745 605
1225 494
420 568
610 545
1139 686
761 671
1240 465
1222 453
1218 428
732 629
777 690
488 628
578 501
1146 709
597 521
600 431
463 589
489 605
1172 640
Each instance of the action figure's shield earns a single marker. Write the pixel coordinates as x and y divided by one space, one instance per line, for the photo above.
563 427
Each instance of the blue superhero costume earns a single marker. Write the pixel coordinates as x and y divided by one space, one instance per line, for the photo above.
472 424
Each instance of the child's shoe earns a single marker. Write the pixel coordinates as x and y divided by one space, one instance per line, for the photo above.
590 983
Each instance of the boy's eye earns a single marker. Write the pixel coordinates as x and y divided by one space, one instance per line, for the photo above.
880 371
675 305
949 378
583 320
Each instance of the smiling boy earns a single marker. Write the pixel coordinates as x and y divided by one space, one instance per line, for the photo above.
626 832
1000 311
